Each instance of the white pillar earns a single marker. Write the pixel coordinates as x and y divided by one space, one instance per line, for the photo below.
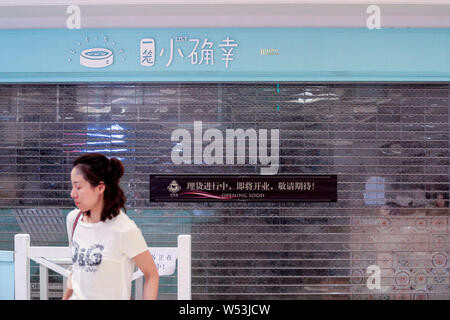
21 267
43 282
139 288
184 267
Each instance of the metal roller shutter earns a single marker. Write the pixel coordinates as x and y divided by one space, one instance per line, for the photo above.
388 144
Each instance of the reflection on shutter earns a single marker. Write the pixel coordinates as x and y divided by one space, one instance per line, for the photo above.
388 144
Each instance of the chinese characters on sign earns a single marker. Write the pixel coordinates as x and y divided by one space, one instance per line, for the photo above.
165 260
199 51
250 186
207 186
243 188
296 185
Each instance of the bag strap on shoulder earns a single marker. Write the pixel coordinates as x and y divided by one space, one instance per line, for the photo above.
75 223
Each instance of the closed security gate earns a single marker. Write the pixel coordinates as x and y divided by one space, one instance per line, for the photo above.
386 237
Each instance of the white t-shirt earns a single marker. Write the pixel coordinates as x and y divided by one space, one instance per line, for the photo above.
101 255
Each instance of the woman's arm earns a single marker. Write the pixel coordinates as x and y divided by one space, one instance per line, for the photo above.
144 261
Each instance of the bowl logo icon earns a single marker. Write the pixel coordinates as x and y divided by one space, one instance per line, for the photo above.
96 58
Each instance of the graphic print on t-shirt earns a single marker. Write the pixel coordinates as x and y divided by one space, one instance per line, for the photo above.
88 258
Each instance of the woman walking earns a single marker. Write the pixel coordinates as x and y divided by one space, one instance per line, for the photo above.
106 244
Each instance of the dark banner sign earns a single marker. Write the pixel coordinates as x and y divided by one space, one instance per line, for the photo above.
243 188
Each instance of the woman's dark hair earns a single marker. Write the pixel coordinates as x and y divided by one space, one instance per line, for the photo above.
95 167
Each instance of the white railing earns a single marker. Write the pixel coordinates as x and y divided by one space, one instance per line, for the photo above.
55 258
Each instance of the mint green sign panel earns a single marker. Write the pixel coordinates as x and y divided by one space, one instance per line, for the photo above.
225 54
6 275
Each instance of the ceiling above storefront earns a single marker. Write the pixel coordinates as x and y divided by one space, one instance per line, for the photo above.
33 14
